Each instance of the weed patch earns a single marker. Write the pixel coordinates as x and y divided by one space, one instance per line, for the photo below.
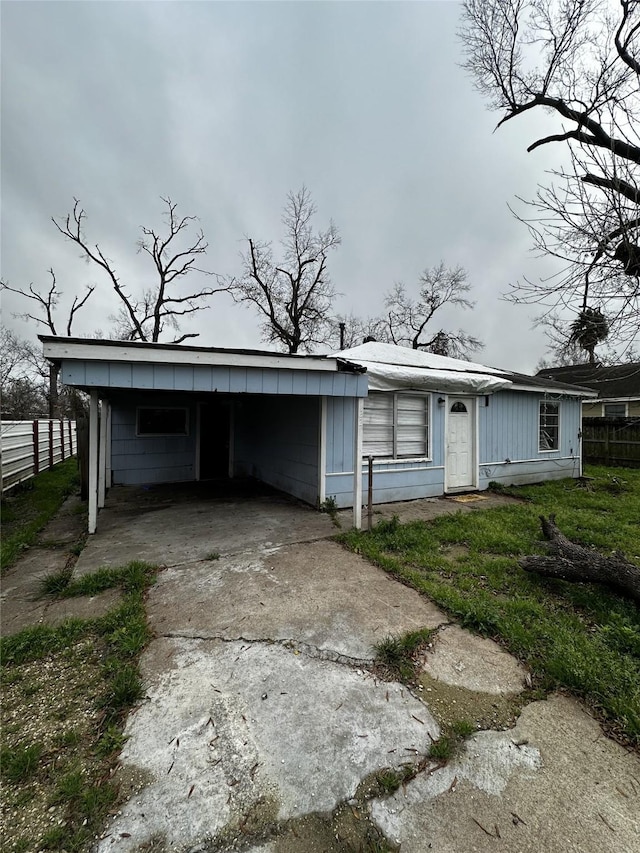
398 654
30 506
67 690
578 637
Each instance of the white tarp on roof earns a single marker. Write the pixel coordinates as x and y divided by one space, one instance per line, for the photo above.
390 367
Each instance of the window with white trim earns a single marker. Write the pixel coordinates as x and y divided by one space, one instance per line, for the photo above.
396 425
162 420
615 410
549 426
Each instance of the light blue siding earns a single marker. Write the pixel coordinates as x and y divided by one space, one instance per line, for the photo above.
509 435
237 380
508 429
276 441
139 460
392 481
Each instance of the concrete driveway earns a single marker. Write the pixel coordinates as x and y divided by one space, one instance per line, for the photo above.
265 720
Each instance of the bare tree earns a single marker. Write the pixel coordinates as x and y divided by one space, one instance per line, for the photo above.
348 330
407 321
147 315
46 301
578 61
293 295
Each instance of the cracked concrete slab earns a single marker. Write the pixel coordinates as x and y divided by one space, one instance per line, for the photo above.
463 659
552 783
311 593
234 728
171 534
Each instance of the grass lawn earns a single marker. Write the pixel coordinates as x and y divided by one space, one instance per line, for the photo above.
66 692
577 637
29 506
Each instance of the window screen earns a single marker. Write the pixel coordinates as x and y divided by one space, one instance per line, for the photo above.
396 425
549 425
615 410
162 421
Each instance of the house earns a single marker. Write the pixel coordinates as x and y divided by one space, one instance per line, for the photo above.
617 387
304 424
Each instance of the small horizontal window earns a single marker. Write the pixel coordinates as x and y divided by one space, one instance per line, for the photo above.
168 420
615 410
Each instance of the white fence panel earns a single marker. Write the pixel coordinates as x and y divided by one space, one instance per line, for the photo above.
29 447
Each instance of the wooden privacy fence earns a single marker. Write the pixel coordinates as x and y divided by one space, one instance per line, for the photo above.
28 447
611 441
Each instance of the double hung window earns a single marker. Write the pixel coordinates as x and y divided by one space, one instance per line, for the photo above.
549 426
396 425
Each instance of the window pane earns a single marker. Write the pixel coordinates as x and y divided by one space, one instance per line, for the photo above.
412 425
162 421
615 410
378 425
549 423
459 407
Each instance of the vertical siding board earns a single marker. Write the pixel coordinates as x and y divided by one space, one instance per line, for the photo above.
313 383
270 382
285 381
97 374
73 372
163 377
201 378
142 376
183 377
120 375
299 382
326 384
238 380
339 384
254 380
220 378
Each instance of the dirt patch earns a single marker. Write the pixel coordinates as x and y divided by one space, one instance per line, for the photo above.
450 704
48 709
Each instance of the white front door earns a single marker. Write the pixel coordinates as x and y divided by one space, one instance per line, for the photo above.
459 462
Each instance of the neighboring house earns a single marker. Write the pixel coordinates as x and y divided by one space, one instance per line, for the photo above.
617 387
306 424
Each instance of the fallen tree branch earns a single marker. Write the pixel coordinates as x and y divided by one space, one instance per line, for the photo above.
575 563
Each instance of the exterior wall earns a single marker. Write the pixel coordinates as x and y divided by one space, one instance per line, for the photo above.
596 410
208 378
508 440
138 460
592 410
508 434
276 441
393 480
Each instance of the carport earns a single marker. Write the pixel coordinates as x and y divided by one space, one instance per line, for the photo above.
162 413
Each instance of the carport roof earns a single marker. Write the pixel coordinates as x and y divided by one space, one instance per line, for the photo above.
57 348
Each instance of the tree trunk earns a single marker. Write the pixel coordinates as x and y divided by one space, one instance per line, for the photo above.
575 563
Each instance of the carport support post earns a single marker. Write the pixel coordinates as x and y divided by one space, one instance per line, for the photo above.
357 463
93 460
102 453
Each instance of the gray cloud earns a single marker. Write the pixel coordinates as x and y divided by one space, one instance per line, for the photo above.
226 107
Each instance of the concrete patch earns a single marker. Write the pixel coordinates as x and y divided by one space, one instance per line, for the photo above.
68 525
81 607
20 606
231 726
553 783
310 593
462 659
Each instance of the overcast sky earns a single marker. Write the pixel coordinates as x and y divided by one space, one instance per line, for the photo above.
226 107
